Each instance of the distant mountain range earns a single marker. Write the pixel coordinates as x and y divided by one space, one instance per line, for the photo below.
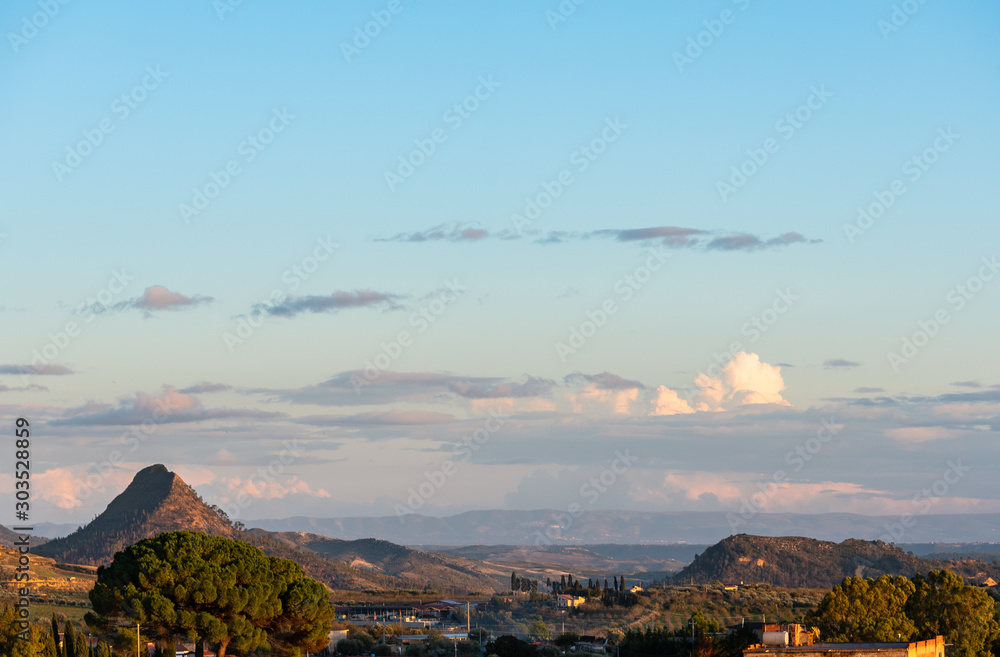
342 554
159 501
795 561
634 527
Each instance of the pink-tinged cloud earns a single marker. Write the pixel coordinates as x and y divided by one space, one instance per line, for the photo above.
920 434
744 380
269 489
59 487
595 399
157 297
169 407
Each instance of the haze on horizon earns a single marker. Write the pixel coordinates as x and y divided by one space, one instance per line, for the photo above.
502 251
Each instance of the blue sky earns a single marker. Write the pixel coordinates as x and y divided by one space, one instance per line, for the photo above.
610 77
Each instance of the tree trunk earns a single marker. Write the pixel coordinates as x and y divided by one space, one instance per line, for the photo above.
199 648
221 651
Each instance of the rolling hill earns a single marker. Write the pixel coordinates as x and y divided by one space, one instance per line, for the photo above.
795 561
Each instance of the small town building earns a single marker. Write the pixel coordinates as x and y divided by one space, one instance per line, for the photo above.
564 601
930 648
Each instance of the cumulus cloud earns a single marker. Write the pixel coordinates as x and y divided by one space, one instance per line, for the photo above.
595 399
36 370
442 232
744 380
665 401
168 407
337 301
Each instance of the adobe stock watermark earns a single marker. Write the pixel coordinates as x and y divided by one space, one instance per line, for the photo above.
59 341
899 17
421 319
625 287
562 12
439 476
705 39
925 500
455 117
266 475
787 126
292 278
364 34
797 458
580 159
753 328
914 169
30 26
958 297
122 107
591 492
255 144
223 7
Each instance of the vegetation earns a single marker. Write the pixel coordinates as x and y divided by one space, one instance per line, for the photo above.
213 590
890 609
794 561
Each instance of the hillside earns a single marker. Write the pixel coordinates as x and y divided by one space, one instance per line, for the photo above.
373 564
54 587
8 536
156 501
794 561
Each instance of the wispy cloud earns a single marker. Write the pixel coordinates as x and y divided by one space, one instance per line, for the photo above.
332 303
378 418
205 386
441 233
154 298
32 387
169 407
530 387
839 363
670 236
748 242
604 381
37 370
